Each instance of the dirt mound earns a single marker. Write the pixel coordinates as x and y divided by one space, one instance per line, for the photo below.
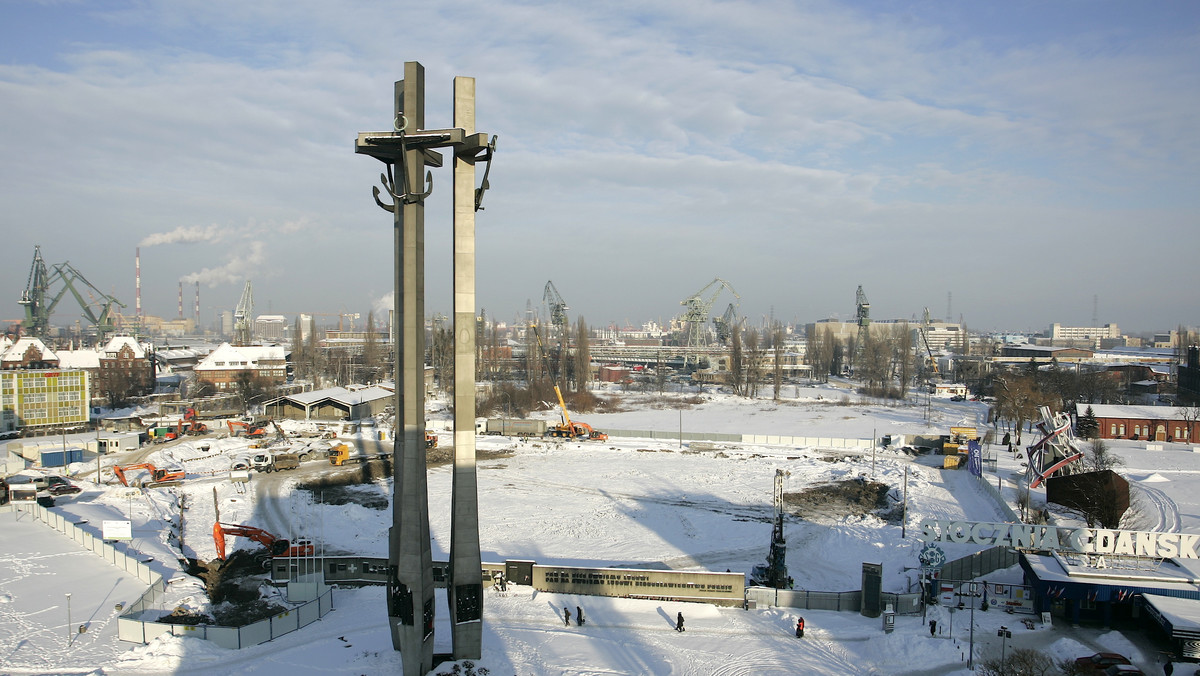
833 501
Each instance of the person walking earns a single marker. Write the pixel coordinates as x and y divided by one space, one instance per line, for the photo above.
579 615
679 622
932 628
1168 668
800 628
567 616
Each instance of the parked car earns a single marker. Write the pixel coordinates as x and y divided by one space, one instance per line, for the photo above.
59 486
1098 663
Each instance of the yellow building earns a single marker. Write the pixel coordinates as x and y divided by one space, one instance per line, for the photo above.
47 399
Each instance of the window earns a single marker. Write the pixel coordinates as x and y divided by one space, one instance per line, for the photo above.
1122 429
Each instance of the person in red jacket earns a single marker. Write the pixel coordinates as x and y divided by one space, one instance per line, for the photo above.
800 628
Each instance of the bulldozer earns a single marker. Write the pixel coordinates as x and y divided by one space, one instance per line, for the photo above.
276 546
158 477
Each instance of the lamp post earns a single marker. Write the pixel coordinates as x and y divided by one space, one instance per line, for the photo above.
971 659
1004 635
69 618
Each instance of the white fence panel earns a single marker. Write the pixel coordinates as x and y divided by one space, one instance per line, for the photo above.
226 637
253 634
284 623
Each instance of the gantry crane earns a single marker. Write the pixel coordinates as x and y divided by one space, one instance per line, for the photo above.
39 304
863 314
698 308
242 316
557 308
726 324
932 361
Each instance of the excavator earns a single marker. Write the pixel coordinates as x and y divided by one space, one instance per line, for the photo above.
239 428
158 477
276 546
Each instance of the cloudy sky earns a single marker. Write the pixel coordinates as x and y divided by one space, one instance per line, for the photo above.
1015 163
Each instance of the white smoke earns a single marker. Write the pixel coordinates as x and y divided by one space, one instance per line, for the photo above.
384 305
185 235
235 271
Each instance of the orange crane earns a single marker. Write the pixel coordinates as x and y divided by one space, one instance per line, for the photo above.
567 429
158 477
276 546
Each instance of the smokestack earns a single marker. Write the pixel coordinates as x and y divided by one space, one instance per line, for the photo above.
137 283
197 303
181 300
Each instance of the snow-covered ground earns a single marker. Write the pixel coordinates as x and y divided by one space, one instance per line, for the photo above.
621 502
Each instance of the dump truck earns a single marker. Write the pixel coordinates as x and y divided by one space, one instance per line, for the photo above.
514 427
274 462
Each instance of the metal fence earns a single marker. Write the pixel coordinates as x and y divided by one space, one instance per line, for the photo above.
131 628
758 439
850 601
980 563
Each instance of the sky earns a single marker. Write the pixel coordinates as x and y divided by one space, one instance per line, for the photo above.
1013 164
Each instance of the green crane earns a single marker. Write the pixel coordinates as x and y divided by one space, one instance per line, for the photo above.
39 302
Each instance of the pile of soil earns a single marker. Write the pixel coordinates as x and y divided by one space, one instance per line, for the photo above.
834 501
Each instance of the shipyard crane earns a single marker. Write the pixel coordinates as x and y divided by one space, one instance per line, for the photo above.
863 313
931 360
557 308
725 324
699 305
242 316
39 304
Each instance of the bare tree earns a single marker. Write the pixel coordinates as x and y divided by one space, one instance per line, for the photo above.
755 355
777 347
903 364
737 369
1018 662
583 355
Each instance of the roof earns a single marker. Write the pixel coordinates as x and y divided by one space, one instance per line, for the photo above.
1181 613
117 342
16 352
243 356
1130 411
79 359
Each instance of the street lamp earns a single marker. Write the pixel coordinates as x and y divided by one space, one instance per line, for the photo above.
1004 635
973 586
69 636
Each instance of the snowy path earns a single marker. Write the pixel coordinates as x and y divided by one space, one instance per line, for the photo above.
1164 512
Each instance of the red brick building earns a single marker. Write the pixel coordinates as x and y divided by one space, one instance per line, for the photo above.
1145 423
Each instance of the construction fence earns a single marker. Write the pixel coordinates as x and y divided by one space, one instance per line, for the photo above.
757 439
133 629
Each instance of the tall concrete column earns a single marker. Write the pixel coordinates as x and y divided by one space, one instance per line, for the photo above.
406 150
465 590
411 591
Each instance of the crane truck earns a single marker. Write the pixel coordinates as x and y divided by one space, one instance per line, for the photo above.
572 430
276 546
158 477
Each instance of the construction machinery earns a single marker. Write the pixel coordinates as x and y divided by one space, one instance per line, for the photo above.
572 430
276 546
567 429
726 324
774 574
238 428
39 301
699 305
932 361
158 477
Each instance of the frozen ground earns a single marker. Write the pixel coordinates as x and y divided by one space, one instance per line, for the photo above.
622 502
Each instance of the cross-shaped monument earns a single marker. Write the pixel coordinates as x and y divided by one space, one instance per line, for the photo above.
406 150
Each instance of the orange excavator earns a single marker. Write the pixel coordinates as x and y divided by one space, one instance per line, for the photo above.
158 477
238 428
276 546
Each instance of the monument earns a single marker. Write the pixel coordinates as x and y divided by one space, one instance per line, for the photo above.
406 151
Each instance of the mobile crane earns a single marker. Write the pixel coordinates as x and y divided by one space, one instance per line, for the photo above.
158 477
568 429
276 546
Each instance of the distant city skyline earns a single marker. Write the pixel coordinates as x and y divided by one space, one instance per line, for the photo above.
1036 161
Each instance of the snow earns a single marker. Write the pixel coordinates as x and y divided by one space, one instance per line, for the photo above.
625 502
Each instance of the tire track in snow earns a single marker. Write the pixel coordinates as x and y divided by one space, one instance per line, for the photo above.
1166 512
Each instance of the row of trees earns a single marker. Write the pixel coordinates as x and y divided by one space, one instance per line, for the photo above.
885 360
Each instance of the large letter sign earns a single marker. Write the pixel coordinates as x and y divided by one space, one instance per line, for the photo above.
1080 540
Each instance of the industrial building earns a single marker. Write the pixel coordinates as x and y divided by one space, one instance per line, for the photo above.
1145 423
223 366
43 400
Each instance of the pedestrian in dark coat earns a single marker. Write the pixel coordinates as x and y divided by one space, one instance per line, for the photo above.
932 628
679 622
1168 668
579 616
567 616
800 628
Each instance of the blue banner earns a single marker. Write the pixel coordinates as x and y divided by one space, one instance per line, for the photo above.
974 457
